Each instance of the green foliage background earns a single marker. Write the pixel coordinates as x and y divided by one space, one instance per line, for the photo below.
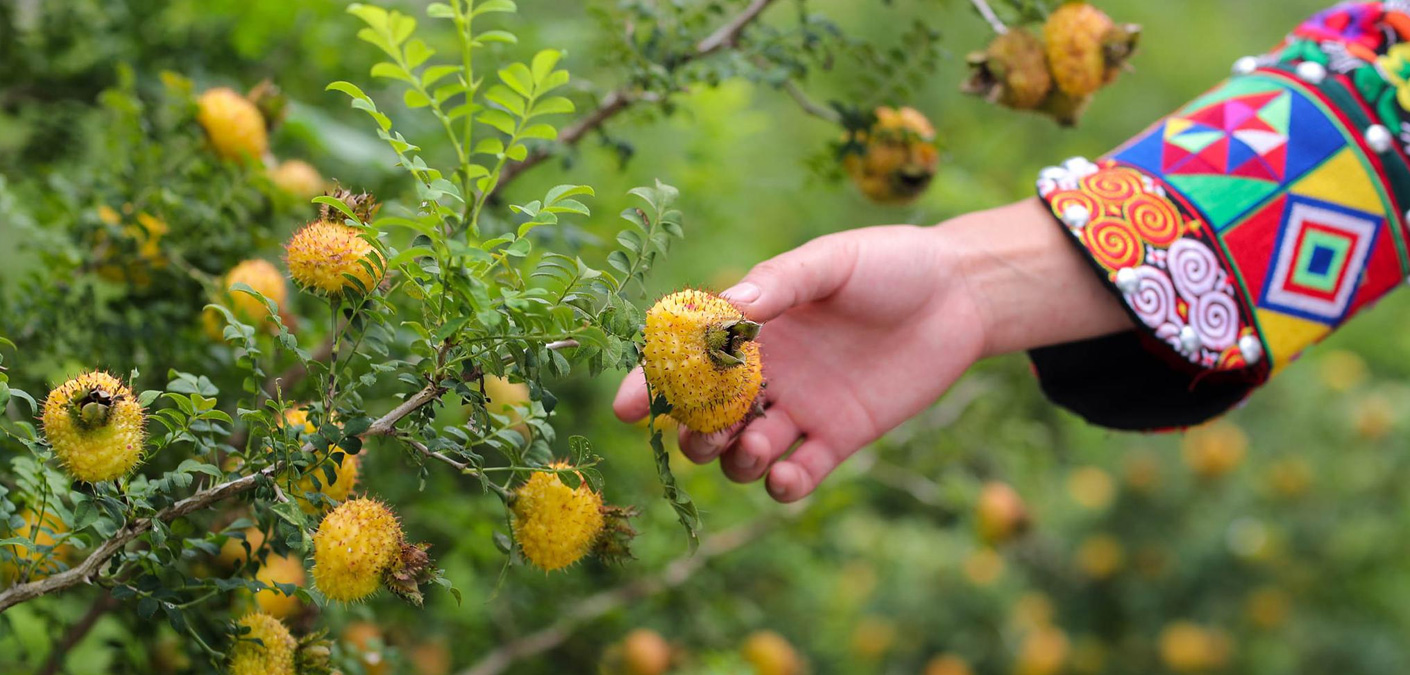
886 540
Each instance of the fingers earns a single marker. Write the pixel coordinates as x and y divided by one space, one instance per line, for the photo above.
806 274
704 448
759 445
795 478
632 403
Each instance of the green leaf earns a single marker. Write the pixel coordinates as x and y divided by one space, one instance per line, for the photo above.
434 74
495 6
498 36
490 146
337 204
417 52
348 88
499 120
415 99
440 10
686 512
519 78
553 105
558 192
392 71
511 100
540 131
544 62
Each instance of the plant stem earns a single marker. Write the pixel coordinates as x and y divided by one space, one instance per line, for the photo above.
988 13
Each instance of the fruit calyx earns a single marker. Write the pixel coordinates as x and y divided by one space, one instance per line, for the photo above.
93 408
725 339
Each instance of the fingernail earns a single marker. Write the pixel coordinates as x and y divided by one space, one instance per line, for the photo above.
745 292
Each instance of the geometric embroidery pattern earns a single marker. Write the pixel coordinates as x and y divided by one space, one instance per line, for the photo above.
1318 259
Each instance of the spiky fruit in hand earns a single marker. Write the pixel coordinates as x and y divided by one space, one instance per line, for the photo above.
262 276
41 536
555 525
1086 50
233 123
356 544
894 161
323 254
701 356
274 657
280 569
1000 513
771 654
297 178
94 424
1012 71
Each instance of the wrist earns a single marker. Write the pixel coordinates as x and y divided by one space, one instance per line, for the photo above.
1030 287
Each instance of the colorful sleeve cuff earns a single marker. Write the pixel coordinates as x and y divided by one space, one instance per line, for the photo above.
1243 228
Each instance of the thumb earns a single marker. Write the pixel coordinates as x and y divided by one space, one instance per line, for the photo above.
809 273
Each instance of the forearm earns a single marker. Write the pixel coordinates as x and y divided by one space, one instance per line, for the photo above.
1031 287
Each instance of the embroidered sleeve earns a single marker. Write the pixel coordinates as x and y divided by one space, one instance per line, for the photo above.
1245 227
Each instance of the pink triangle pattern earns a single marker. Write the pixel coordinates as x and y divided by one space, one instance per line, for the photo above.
1248 146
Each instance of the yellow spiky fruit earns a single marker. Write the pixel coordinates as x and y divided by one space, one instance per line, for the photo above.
41 535
507 398
323 254
345 475
1043 651
280 569
94 424
367 641
1000 513
1012 71
233 123
897 159
146 232
1091 487
947 664
700 355
556 525
1100 556
274 657
645 652
1086 49
356 544
232 552
1187 647
262 276
298 178
771 654
1214 449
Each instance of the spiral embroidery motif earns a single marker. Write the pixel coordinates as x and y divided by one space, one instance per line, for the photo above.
1156 219
1215 318
1153 299
1062 200
1193 267
1114 243
1114 185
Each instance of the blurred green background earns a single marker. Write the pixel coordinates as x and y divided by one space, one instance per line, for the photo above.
1273 543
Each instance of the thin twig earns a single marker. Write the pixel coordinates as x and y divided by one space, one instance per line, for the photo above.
988 13
790 87
594 606
102 605
617 101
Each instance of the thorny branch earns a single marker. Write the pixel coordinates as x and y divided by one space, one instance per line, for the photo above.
617 101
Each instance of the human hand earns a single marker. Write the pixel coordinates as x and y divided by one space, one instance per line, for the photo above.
864 329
